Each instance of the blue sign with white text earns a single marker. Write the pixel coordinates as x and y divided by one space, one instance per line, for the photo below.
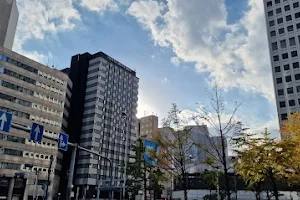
5 121
36 132
63 141
150 147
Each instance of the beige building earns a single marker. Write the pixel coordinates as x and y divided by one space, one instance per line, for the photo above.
32 92
148 125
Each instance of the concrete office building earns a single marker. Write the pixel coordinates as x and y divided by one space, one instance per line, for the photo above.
103 91
148 125
32 92
283 26
8 22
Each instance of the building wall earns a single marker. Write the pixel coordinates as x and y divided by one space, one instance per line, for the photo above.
283 25
32 92
8 22
148 125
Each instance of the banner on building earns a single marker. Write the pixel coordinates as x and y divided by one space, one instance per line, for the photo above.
150 147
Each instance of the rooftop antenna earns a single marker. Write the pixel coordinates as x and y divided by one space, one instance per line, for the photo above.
48 62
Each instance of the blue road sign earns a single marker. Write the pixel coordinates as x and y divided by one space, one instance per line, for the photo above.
5 121
36 132
63 141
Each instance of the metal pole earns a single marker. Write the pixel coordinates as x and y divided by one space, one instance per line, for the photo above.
11 188
71 171
98 180
126 155
48 178
36 183
111 179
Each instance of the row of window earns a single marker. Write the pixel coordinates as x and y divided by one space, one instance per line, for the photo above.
15 112
287 67
15 100
288 79
11 152
283 43
5 165
36 155
18 64
18 76
270 3
282 104
49 77
287 19
289 90
289 28
286 8
285 56
50 88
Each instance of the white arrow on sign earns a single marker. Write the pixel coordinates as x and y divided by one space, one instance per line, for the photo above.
62 143
37 131
3 120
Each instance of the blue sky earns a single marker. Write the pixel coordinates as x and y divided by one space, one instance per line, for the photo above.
178 48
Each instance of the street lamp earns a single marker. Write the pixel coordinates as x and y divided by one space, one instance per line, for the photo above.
30 166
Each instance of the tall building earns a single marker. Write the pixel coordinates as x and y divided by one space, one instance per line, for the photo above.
32 92
8 22
103 117
148 125
283 25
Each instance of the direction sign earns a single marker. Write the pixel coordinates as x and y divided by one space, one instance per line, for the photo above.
5 121
63 141
36 132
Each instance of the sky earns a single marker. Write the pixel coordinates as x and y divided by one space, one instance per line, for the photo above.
178 48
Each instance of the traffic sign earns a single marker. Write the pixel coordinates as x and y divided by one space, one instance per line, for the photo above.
5 121
63 141
36 132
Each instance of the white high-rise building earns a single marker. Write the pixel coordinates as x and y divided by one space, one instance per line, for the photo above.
9 16
283 29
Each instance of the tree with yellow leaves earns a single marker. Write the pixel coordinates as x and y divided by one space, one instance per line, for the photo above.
263 159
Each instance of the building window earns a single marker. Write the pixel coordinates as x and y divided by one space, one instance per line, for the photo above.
290 28
281 92
292 41
284 116
277 69
297 15
269 3
292 103
285 56
296 65
281 30
288 79
287 7
271 23
286 67
297 76
298 26
278 80
290 90
279 20
274 46
294 53
278 11
277 1
282 104
270 13
298 88
283 44
276 58
296 5
273 33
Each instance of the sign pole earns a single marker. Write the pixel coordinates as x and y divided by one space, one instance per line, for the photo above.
71 172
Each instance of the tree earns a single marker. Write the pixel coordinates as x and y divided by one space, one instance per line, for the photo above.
222 121
210 178
141 172
262 159
177 144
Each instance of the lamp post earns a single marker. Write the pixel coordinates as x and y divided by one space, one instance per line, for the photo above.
124 115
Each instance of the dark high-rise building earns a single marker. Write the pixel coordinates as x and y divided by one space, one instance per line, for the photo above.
102 117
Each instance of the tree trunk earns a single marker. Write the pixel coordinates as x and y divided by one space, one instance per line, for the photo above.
224 158
185 188
274 186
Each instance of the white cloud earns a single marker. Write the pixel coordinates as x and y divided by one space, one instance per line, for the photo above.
40 17
236 55
165 80
99 5
175 61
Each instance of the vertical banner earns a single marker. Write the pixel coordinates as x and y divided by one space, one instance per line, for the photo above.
150 147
